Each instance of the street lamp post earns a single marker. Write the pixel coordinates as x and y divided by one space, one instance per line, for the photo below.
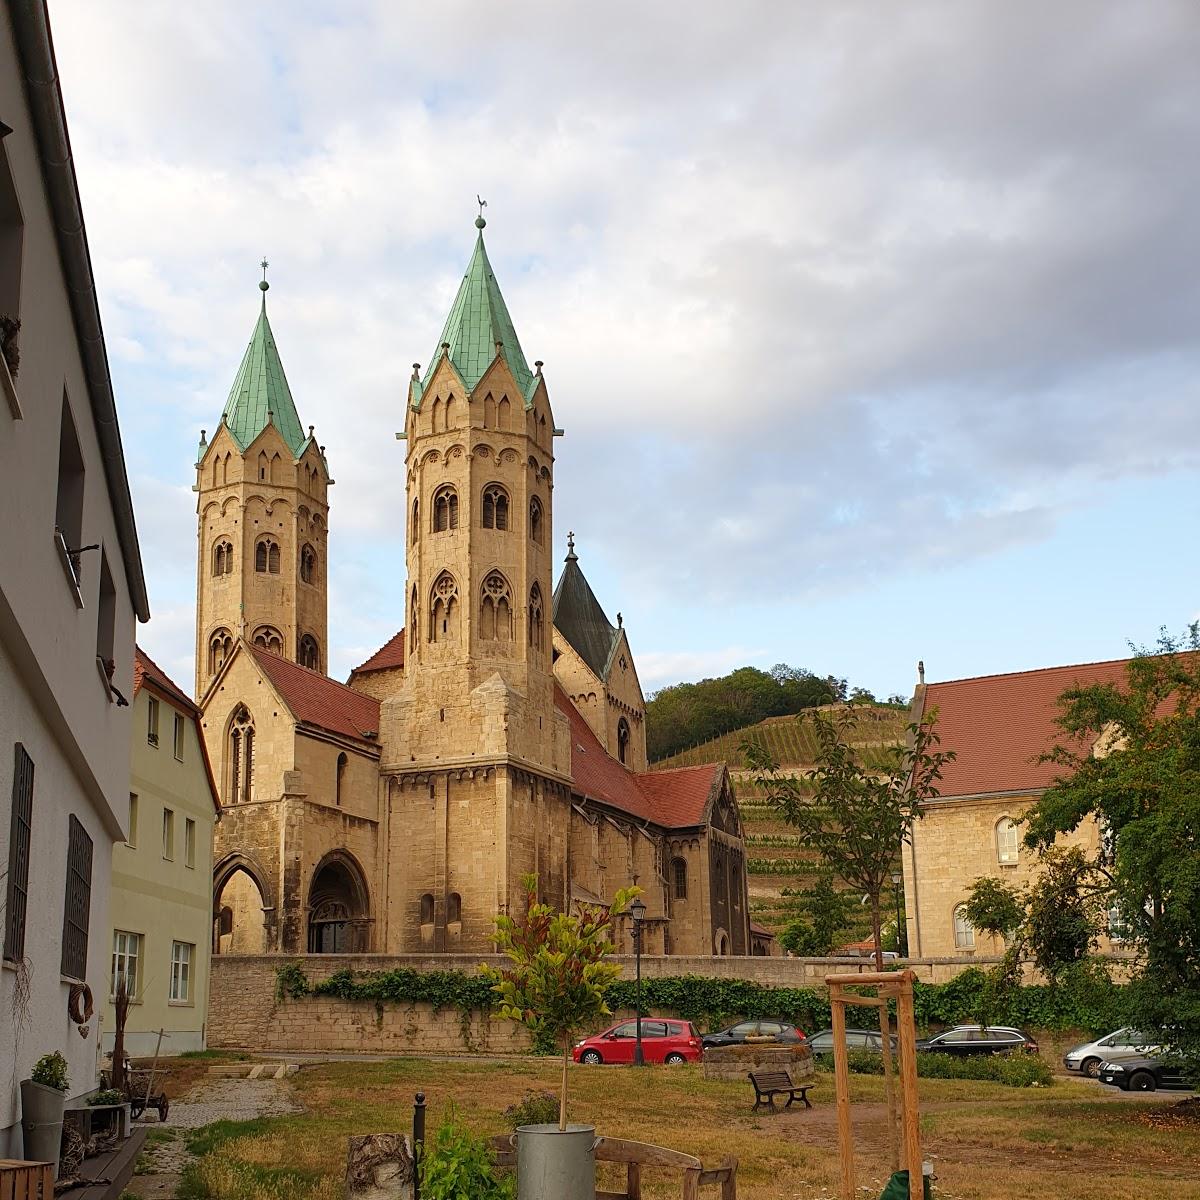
901 939
638 911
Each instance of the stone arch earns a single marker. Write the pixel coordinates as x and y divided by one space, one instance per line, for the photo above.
443 609
496 609
339 906
721 943
495 506
220 646
242 904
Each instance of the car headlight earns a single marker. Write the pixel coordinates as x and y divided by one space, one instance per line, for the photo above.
1113 1068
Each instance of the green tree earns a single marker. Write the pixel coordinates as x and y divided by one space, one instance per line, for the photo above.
556 985
855 817
822 920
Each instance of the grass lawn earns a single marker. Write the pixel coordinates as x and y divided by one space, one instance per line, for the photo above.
1074 1141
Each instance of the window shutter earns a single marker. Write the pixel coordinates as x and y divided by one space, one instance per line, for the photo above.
18 856
78 902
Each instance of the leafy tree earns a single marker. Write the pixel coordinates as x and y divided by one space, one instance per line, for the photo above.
822 922
856 818
556 985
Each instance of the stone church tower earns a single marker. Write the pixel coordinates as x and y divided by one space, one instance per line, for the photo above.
263 510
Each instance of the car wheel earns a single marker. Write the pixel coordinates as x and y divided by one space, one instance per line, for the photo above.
591 1057
674 1060
1090 1067
1141 1081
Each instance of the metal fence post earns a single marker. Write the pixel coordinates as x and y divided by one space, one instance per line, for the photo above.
418 1142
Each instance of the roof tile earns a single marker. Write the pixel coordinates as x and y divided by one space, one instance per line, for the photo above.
389 656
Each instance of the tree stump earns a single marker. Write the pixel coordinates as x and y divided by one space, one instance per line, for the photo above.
379 1166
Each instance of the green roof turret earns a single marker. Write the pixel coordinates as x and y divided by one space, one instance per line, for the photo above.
260 394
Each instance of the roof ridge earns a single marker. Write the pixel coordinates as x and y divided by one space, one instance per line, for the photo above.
365 664
154 668
259 652
1103 662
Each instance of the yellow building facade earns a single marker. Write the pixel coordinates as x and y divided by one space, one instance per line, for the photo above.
500 733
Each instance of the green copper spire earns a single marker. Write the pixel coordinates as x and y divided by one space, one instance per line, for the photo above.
260 392
478 320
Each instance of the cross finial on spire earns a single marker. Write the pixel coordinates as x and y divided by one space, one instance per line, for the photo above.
479 221
571 555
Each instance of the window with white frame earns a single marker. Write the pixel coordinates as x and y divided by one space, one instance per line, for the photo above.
178 737
1006 841
168 834
127 950
1119 928
181 972
189 842
964 931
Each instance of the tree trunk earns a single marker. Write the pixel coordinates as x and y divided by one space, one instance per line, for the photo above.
876 931
562 1096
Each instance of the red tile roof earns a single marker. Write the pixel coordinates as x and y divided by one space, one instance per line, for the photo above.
145 668
672 799
1000 724
387 657
317 700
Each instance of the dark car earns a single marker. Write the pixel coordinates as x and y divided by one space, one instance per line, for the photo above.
856 1039
1143 1075
735 1035
973 1039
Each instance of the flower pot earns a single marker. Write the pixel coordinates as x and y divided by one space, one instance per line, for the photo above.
554 1164
42 1121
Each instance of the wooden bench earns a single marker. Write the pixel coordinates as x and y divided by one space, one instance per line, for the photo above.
769 1084
635 1156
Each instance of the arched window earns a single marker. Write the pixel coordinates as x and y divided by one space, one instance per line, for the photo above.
269 639
308 563
340 778
964 931
223 558
623 740
679 878
443 609
309 653
416 521
266 556
435 414
537 623
414 622
495 507
219 646
453 908
495 612
489 412
535 521
445 508
427 909
448 422
1006 840
262 465
241 757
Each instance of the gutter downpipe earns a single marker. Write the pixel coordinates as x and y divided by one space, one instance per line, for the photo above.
31 26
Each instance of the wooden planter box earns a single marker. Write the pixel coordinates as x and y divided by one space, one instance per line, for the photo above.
26 1180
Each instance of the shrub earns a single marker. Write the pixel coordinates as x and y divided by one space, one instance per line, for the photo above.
1012 1070
458 1165
51 1071
107 1096
538 1108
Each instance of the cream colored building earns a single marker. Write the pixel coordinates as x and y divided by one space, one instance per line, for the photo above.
500 733
161 913
998 725
71 590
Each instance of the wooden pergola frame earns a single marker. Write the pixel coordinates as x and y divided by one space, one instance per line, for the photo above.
889 985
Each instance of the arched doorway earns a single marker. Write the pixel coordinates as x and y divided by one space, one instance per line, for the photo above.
239 925
339 911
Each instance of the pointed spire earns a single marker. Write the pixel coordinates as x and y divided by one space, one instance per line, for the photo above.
579 617
571 555
260 394
479 327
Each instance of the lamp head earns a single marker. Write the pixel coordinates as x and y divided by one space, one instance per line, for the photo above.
637 910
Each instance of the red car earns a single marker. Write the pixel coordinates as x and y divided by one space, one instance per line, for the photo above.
663 1041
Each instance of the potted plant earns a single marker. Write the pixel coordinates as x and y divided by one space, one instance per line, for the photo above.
43 1097
555 989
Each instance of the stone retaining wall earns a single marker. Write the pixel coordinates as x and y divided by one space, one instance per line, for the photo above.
736 1062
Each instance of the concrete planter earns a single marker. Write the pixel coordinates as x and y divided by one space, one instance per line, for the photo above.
42 1122
554 1164
736 1062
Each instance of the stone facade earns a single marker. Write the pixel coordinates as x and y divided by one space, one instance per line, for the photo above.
500 734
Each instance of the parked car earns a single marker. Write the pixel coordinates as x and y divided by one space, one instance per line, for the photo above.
735 1035
856 1039
1143 1075
1116 1047
973 1039
663 1041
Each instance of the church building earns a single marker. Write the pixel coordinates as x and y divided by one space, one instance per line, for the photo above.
500 733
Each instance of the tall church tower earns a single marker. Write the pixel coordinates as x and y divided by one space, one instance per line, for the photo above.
262 507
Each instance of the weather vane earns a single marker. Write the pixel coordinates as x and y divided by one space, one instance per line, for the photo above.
264 285
482 203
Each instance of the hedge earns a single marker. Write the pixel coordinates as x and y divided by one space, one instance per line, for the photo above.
1012 1070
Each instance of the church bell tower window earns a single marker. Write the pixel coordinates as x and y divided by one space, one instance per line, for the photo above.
308 564
266 556
310 654
443 608
535 521
495 507
496 609
445 509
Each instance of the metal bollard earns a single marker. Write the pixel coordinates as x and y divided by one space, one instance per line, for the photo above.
418 1142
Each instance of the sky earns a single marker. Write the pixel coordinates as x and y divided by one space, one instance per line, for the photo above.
872 328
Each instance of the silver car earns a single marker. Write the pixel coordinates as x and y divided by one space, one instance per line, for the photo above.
1116 1047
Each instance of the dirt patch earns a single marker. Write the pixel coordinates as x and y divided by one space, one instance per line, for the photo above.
1183 1115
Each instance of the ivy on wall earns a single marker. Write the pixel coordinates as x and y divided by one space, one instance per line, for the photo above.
713 1003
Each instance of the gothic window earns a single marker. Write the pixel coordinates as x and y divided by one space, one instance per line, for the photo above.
503 409
537 624
266 556
427 909
416 525
1006 841
309 653
964 932
308 564
262 466
413 622
445 508
623 740
453 909
435 415
223 558
448 420
443 609
340 778
219 646
241 757
535 520
495 507
495 614
489 412
679 878
269 639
